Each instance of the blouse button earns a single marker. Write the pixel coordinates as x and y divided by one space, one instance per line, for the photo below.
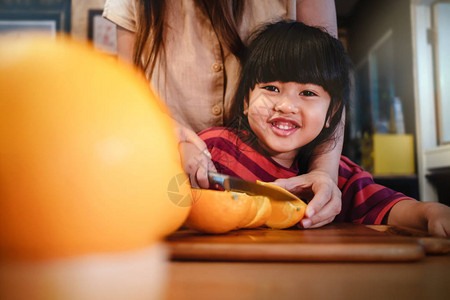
216 67
216 110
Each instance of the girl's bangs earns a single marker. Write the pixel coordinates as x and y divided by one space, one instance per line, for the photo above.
294 57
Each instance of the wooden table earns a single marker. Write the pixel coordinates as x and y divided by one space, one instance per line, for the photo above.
427 277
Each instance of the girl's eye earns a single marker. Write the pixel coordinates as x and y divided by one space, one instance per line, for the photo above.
271 88
308 93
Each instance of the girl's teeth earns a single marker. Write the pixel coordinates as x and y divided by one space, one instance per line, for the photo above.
284 126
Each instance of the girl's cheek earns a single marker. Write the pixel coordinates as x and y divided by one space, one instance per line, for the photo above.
262 106
259 113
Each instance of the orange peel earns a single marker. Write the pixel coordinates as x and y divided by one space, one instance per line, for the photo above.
218 211
286 214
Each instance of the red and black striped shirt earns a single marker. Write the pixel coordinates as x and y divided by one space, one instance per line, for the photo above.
363 201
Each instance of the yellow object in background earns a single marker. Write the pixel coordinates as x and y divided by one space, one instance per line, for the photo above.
389 154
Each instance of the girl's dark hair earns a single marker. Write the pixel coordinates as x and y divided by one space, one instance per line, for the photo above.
224 16
290 51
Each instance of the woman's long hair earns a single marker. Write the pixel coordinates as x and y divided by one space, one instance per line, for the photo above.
290 51
224 16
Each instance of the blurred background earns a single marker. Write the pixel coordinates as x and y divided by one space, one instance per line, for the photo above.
397 124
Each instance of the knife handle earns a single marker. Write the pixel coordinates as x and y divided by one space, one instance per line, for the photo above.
219 179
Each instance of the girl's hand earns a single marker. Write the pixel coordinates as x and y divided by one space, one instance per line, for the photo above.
438 219
428 216
195 157
324 195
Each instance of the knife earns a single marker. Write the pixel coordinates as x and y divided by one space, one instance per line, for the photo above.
230 183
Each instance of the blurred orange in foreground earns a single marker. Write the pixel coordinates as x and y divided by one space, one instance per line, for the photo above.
87 154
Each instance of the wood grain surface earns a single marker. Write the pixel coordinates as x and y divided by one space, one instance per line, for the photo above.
334 242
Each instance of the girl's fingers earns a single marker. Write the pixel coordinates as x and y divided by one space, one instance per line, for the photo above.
437 230
323 223
299 185
320 199
318 215
281 183
322 217
324 195
295 184
324 205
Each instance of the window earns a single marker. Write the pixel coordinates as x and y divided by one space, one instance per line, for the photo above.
441 44
431 70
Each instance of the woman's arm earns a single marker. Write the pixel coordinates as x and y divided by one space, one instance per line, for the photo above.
328 160
125 44
195 157
194 154
320 13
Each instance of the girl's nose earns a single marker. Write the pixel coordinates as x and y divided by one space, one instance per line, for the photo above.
285 106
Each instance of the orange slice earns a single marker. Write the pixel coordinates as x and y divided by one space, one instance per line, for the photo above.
252 212
286 214
264 211
218 211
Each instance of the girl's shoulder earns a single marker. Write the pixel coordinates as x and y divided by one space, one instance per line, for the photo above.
215 131
224 134
228 138
348 166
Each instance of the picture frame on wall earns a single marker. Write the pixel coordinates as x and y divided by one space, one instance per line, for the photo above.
102 32
18 18
19 28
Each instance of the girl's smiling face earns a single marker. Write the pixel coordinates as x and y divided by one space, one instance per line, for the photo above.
286 116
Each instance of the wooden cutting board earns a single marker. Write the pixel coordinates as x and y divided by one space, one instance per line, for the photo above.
431 244
334 242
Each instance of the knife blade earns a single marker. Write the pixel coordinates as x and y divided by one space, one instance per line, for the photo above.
230 183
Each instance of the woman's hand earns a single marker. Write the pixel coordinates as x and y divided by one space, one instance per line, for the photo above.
324 195
195 157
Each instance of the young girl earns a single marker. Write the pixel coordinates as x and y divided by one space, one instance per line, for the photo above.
293 88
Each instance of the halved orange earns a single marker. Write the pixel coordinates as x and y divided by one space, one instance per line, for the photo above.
218 211
222 211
